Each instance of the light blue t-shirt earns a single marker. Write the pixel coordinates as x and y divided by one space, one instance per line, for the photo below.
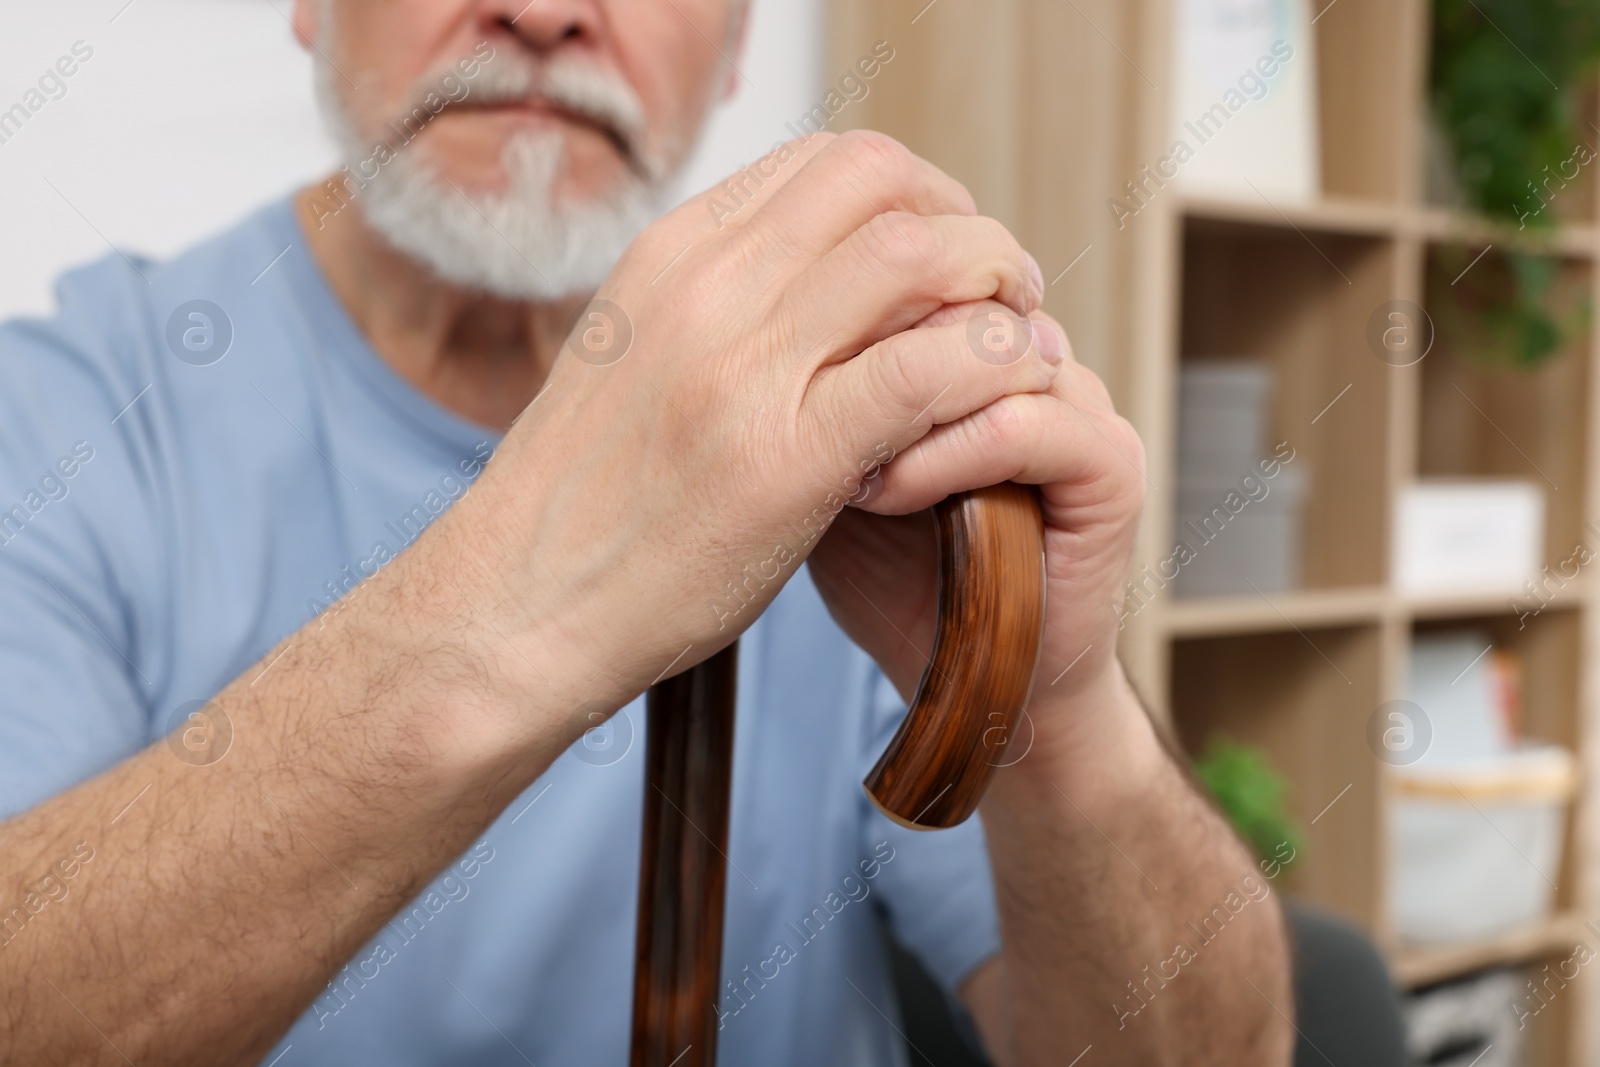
184 484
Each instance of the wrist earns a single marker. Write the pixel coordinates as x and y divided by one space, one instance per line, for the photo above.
480 687
1095 745
558 591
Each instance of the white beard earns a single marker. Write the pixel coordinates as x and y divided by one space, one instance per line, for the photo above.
516 243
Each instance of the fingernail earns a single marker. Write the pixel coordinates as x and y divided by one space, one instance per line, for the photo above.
1038 276
1052 348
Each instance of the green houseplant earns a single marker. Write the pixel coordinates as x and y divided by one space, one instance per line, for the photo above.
1251 794
1503 85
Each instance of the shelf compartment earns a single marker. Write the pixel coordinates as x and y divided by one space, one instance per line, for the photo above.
1549 646
1491 421
1303 698
1300 299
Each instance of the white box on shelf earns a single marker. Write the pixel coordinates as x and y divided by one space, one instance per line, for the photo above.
1475 847
1454 535
1243 99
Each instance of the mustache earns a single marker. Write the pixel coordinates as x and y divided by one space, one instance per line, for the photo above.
594 94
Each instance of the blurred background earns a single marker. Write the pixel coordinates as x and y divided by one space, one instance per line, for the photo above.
190 113
1336 261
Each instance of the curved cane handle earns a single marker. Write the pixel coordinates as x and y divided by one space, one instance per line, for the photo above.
985 650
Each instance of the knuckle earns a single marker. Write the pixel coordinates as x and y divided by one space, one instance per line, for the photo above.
1003 428
1090 386
894 168
1034 375
893 372
877 155
985 251
966 203
902 241
1085 382
653 240
994 232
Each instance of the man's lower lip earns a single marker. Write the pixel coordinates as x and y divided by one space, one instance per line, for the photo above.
565 118
509 109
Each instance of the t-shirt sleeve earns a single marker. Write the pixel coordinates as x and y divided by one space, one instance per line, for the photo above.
73 524
937 889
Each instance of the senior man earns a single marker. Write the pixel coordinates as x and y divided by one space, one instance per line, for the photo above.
289 779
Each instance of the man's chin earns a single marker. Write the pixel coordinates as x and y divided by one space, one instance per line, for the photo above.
529 228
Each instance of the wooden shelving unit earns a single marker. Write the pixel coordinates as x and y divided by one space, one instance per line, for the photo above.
1044 110
1295 284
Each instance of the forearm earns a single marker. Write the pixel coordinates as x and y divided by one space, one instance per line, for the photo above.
1109 873
368 751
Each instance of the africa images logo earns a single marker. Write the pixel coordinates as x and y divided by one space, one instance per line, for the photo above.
50 86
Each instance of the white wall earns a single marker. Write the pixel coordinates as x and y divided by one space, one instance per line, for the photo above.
192 112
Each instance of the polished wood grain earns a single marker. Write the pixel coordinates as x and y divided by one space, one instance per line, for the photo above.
683 864
991 613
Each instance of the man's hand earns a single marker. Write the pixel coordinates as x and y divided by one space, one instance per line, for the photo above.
876 568
723 397
1102 851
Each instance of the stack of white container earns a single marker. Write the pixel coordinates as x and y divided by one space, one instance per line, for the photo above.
1241 524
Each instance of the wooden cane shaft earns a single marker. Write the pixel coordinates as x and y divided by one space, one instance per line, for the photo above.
683 865
985 651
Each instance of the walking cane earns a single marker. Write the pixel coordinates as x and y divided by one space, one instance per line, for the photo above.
932 775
